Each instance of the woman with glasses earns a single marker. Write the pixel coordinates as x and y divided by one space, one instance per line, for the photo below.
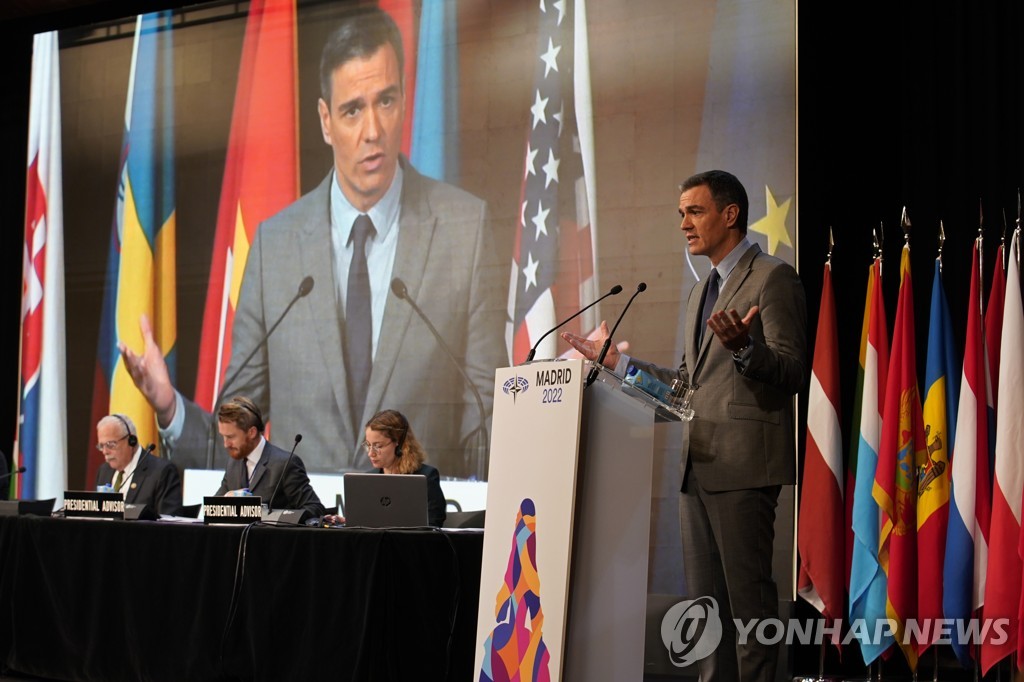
392 448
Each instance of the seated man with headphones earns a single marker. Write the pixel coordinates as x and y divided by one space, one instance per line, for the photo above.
258 466
393 449
142 477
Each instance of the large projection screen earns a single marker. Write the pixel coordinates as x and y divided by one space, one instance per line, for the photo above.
648 93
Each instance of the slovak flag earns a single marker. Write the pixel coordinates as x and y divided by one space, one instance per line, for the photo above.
42 418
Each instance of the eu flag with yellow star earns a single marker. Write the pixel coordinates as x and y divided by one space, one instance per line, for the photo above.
748 126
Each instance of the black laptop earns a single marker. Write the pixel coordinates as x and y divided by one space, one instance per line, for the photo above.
385 500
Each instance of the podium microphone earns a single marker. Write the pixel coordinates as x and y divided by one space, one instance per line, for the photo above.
608 342
614 290
399 289
270 502
19 470
305 286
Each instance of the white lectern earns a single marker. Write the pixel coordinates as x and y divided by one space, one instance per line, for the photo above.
582 457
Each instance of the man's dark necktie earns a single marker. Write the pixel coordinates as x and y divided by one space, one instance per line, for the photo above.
710 299
358 320
118 481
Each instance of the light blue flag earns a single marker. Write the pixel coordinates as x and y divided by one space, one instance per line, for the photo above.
435 150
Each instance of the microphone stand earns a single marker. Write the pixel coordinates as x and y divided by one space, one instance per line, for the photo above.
270 501
608 342
399 289
146 452
305 287
614 290
19 470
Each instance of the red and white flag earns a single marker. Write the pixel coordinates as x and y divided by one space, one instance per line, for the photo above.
1002 585
820 538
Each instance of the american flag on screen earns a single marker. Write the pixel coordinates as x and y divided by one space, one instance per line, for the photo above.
554 256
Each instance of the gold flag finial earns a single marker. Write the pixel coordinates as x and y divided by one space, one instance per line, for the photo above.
981 216
942 240
905 224
831 243
877 237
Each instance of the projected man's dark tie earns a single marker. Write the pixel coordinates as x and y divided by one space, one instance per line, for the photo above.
358 320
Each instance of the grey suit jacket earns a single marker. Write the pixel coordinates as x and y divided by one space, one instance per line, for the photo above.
445 255
294 492
156 483
743 433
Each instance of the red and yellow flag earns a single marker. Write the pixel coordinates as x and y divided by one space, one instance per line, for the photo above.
901 457
261 175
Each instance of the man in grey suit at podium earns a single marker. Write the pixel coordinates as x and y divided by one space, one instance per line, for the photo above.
740 448
351 345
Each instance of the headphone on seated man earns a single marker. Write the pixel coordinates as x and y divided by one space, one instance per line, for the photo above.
133 440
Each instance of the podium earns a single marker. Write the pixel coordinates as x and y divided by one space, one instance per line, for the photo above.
565 587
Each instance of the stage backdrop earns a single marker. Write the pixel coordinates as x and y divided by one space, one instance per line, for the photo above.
575 123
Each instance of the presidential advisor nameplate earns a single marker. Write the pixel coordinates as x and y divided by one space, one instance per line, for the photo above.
248 509
92 505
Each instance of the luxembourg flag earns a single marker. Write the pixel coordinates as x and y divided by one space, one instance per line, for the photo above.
42 419
867 580
970 503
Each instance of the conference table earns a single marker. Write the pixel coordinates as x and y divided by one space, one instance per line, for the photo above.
84 599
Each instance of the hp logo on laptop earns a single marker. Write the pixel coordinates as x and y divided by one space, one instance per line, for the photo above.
385 501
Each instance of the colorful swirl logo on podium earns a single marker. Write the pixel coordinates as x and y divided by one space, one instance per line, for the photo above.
691 630
515 649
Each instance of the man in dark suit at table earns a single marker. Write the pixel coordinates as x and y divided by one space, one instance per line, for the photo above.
257 466
351 346
142 477
740 448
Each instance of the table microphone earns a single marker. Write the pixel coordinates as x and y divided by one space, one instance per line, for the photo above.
399 289
608 342
19 470
614 290
305 286
147 451
270 502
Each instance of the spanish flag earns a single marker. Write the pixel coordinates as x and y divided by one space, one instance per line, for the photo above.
261 175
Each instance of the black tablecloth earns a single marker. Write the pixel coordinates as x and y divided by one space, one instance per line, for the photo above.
117 600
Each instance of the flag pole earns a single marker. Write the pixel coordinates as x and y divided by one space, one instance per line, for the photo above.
821 647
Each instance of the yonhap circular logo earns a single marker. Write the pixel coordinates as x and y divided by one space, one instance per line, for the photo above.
691 630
